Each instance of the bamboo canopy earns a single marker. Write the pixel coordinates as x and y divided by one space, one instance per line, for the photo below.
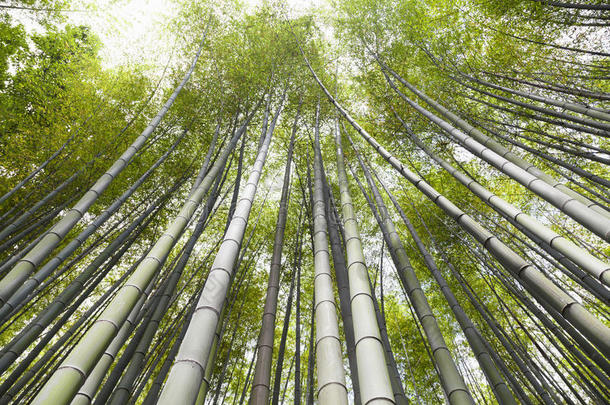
367 202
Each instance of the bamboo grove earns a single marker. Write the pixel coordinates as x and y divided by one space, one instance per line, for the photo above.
371 201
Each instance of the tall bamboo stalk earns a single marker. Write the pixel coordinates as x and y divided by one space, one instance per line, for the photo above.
23 268
525 169
451 380
262 371
581 257
571 310
184 379
375 385
585 214
329 358
338 253
475 339
75 368
29 285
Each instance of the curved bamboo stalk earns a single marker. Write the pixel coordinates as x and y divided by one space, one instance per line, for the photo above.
19 377
578 6
486 142
579 108
29 285
548 111
21 342
582 343
475 339
20 380
597 180
518 389
555 87
21 219
596 222
588 262
23 268
123 390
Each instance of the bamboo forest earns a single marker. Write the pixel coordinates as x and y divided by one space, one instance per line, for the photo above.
304 202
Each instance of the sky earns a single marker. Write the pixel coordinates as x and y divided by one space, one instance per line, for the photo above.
133 30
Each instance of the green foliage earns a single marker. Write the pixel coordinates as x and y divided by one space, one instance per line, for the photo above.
57 95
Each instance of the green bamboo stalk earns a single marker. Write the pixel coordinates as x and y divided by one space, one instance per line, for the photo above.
375 386
571 310
262 371
450 378
184 379
581 257
68 378
30 284
496 147
475 340
596 222
24 267
329 357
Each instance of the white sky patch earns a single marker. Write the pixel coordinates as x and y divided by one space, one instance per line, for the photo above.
131 31
136 31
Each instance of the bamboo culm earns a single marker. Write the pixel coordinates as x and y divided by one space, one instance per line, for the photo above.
497 384
451 380
329 357
30 284
482 141
123 390
581 257
82 359
264 359
185 376
338 254
597 222
22 341
374 380
24 267
571 310
395 379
